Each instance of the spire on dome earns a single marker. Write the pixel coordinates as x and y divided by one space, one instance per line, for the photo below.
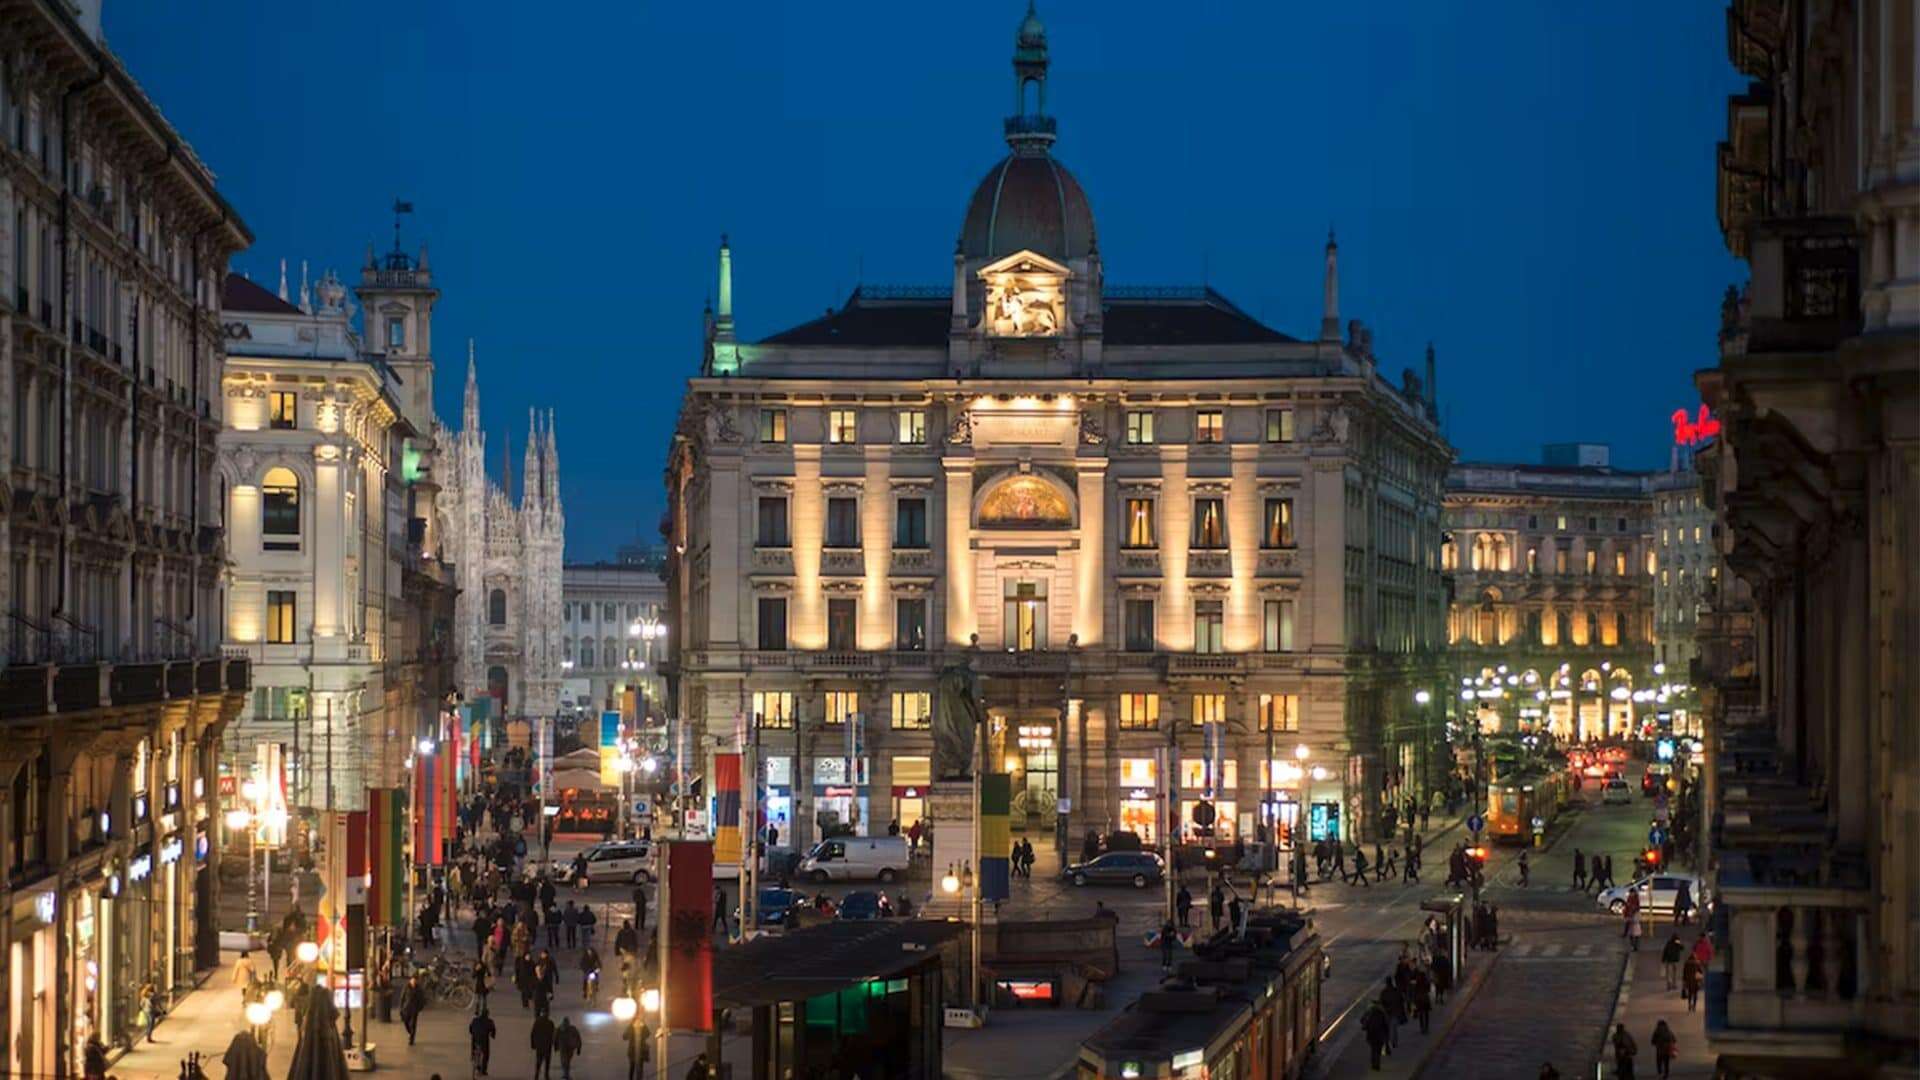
532 475
1030 131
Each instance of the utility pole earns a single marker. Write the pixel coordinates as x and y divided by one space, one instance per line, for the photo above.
1170 761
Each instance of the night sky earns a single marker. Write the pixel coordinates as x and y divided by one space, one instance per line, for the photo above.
1528 185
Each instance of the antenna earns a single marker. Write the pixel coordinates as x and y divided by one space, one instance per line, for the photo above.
400 206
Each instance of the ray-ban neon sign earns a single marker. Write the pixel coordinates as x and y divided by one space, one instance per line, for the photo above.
1688 432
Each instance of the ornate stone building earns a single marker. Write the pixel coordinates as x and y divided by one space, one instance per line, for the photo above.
1813 751
1142 517
615 635
1552 605
114 239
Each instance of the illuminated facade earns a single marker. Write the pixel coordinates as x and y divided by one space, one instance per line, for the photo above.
113 242
614 635
1552 570
1139 515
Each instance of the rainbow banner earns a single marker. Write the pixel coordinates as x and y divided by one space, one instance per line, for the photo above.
726 808
996 836
609 748
433 818
386 858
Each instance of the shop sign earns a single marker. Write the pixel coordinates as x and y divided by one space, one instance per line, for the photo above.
229 786
838 792
171 851
140 868
833 770
45 907
780 772
1139 795
139 808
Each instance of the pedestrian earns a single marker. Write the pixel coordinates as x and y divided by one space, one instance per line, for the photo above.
1579 870
1629 912
1683 904
570 918
1375 1025
481 1030
96 1059
1379 862
1168 935
1665 1043
1422 998
640 906
243 975
276 948
1442 977
1183 903
627 941
542 1041
1216 904
1526 870
1235 910
1395 1003
523 978
639 1050
1360 868
720 910
1670 956
1692 974
553 931
566 1039
413 1000
1623 1050
154 1004
1609 871
699 1069
588 920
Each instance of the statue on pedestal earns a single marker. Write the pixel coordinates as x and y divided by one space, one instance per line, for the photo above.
956 723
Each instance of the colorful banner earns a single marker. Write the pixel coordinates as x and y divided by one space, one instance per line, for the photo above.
689 949
726 808
356 890
609 747
996 836
386 859
432 818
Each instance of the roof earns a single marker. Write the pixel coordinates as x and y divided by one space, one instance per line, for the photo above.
240 293
1028 202
878 317
817 960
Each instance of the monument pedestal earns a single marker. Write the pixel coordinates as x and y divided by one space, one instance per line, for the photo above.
952 811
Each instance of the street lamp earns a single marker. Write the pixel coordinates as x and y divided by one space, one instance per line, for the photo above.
625 1009
650 999
952 884
307 953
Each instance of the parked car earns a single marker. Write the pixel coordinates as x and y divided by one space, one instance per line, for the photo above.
619 860
1616 791
850 858
1136 868
858 906
1656 893
775 905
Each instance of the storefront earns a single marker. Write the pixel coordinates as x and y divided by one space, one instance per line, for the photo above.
1140 798
1201 783
911 778
778 772
91 978
32 962
1035 765
840 802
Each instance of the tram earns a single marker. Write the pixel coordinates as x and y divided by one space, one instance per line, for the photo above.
1517 800
1248 1008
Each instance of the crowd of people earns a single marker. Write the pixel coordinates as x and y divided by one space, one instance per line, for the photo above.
1422 977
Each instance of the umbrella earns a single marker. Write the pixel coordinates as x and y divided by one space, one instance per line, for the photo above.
319 1055
245 1060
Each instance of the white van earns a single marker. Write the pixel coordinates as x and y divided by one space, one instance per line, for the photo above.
850 858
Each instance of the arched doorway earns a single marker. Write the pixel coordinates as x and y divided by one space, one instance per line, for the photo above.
497 687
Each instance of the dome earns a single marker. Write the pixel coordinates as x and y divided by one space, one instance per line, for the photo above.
1032 34
1028 202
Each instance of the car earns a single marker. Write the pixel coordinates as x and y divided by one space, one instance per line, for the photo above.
1654 780
858 906
619 860
845 858
1615 791
1657 891
774 906
1136 868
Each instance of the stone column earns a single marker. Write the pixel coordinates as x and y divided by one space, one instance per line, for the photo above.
1090 561
962 617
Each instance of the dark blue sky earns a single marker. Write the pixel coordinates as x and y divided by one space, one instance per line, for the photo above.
1528 185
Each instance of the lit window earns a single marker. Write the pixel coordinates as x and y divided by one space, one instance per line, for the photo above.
1139 523
1139 712
913 427
1194 773
1209 523
1279 425
1593 560
283 410
280 510
773 708
1139 428
841 426
910 624
1209 709
280 612
1279 712
1025 613
1620 564
1279 530
1209 627
773 425
841 705
1561 522
1278 636
1211 426
912 711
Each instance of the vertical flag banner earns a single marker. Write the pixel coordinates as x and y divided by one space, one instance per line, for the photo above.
333 901
609 747
431 787
356 890
452 741
726 808
386 865
689 1004
996 836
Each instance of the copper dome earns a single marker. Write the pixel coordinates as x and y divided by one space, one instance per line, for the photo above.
1028 202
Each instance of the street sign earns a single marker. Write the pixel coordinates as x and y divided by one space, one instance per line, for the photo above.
1475 823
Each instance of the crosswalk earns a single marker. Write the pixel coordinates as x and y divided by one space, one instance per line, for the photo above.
1538 950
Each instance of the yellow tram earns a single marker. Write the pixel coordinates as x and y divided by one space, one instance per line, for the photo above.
1248 1009
1516 800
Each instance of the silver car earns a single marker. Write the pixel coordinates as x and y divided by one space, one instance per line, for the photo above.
1657 892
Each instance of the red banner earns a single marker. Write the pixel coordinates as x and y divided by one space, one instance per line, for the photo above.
689 1004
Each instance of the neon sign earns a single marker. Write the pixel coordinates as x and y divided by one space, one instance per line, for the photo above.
1688 432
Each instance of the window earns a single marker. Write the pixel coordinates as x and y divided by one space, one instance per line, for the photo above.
1139 617
1621 525
1209 709
1560 561
1279 530
772 530
1533 521
1209 523
773 425
1279 425
1139 712
913 427
1619 564
841 706
1560 522
841 426
773 623
1210 426
773 708
586 653
910 624
283 410
1026 615
1593 560
1208 627
1278 625
1139 523
1194 773
280 510
842 625
497 608
910 523
1139 428
1279 712
1533 560
280 610
843 522
912 711
1593 524
396 333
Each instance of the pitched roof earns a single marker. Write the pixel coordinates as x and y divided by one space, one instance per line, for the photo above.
919 318
241 294
820 959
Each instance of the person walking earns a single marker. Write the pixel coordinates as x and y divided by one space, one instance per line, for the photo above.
566 1040
1422 998
640 906
1183 903
1665 1044
1442 977
1168 935
720 910
570 918
1670 956
1376 1026
1216 905
1683 904
1379 862
1526 870
1692 974
1630 912
1395 1004
1634 931
1579 871
1624 1048
1360 868
542 1040
481 1030
639 1049
413 1000
1608 867
627 941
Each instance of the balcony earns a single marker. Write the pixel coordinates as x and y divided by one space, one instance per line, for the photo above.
1209 563
1206 665
76 687
840 661
1039 662
773 560
1799 951
843 562
912 561
1140 562
1278 562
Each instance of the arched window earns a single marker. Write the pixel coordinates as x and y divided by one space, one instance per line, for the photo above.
586 652
280 510
497 607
